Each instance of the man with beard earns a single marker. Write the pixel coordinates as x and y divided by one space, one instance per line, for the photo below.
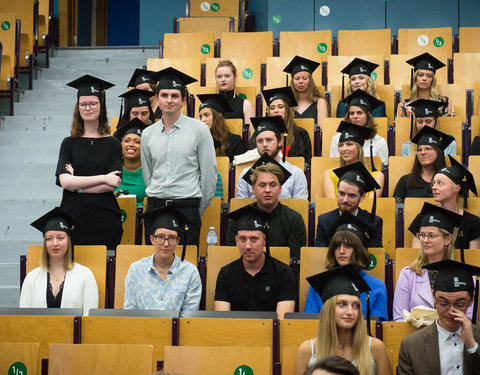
268 133
354 182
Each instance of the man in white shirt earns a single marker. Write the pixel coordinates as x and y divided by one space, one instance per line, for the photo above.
450 345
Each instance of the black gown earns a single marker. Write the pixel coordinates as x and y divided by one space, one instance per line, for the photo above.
99 213
236 102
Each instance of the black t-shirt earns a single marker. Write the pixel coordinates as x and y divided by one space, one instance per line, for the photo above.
272 284
402 190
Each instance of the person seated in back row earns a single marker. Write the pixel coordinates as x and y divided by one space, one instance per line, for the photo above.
256 281
287 228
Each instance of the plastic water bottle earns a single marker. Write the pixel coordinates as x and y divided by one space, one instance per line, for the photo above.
212 239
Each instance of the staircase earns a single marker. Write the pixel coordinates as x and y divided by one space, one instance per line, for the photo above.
30 141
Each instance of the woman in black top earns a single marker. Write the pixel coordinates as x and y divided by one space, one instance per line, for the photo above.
90 167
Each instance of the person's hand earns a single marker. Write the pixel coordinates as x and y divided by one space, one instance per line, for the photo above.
467 333
69 168
113 179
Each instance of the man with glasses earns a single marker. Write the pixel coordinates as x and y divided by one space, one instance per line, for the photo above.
164 281
256 281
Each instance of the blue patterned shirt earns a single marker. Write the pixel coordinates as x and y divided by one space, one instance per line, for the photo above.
145 289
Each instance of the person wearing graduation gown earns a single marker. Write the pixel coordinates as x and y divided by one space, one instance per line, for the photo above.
164 281
256 281
341 328
360 78
349 237
310 102
428 161
211 111
426 114
359 112
286 228
141 80
451 344
59 281
132 183
178 156
89 168
423 85
270 137
137 105
435 228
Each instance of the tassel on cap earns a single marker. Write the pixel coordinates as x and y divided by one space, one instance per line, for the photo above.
369 330
475 303
184 249
411 125
371 157
284 147
343 86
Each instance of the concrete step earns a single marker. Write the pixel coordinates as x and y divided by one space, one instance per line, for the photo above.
42 187
19 229
101 53
10 274
38 122
99 62
116 76
30 208
50 139
58 109
27 154
9 296
30 170
12 249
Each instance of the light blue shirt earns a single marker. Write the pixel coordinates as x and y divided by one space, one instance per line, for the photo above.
145 289
450 150
294 187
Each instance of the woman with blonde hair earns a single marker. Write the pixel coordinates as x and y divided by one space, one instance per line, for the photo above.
359 72
341 329
436 229
310 102
59 281
226 77
424 85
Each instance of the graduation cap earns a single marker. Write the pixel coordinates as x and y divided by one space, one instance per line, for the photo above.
357 174
218 102
271 123
435 216
357 66
353 224
252 218
137 98
56 219
134 126
356 133
424 108
284 93
300 64
460 176
140 76
172 79
88 85
428 136
362 99
340 280
264 159
168 217
454 277
425 61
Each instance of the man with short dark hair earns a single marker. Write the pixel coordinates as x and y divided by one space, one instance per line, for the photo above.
354 182
450 345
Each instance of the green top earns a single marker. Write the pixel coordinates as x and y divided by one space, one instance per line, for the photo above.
133 182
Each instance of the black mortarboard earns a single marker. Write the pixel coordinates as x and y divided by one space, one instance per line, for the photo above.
172 79
140 76
353 224
168 217
460 175
357 174
137 98
56 219
352 132
264 159
88 85
435 216
359 66
428 136
216 101
454 277
284 93
301 64
426 108
425 61
362 99
338 280
134 126
272 123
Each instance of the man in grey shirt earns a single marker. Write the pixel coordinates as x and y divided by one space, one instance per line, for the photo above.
178 156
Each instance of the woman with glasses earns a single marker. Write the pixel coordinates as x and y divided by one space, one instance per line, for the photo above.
436 229
429 159
89 168
164 281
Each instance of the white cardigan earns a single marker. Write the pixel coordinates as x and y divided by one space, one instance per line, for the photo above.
79 289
